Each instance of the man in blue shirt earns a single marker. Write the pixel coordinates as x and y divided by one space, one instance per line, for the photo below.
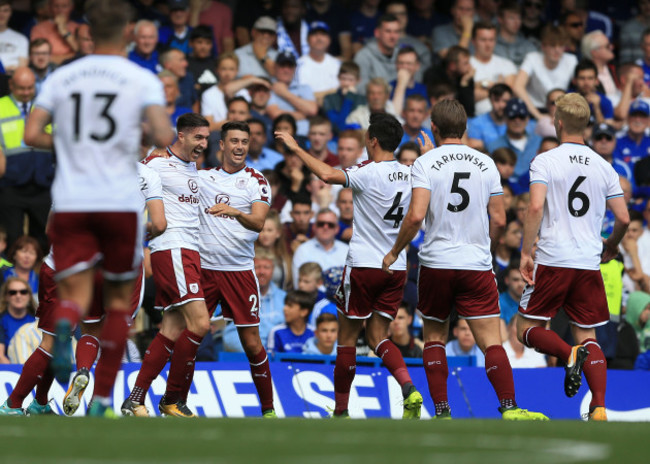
509 300
260 157
146 40
635 144
487 127
585 80
416 119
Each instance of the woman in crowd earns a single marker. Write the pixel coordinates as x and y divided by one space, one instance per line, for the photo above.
17 307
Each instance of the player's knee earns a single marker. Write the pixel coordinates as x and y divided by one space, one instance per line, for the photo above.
200 327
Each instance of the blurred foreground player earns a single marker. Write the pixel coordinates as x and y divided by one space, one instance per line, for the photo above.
97 104
570 186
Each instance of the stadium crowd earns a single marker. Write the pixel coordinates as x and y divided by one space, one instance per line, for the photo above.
317 69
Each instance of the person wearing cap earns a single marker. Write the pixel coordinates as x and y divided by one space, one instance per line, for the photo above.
177 33
523 143
603 142
318 69
377 58
289 96
258 57
635 144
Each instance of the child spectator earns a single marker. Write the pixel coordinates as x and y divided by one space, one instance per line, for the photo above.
271 238
507 250
25 254
400 334
310 280
505 160
324 339
464 344
291 336
509 299
17 307
408 153
340 104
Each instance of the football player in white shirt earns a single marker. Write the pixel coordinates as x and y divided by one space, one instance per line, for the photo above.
381 193
97 104
570 186
177 274
456 187
227 235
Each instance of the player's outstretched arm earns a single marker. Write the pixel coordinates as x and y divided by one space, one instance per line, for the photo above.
157 222
531 229
159 126
621 221
324 171
497 212
410 225
35 135
253 221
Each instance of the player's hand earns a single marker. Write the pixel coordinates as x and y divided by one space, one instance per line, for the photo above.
527 266
388 261
425 144
609 252
288 140
222 209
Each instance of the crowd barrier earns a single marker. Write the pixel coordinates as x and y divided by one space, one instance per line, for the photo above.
306 389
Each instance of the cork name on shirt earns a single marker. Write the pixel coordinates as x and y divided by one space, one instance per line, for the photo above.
444 159
579 159
398 176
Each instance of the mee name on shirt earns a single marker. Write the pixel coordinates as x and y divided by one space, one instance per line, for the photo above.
462 181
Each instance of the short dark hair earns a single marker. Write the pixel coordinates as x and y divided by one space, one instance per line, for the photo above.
386 129
415 97
585 64
201 32
403 50
385 18
508 5
238 99
189 121
286 117
408 146
504 155
107 19
22 242
439 89
350 67
497 90
326 317
303 299
407 307
257 121
38 42
635 215
514 264
301 199
450 118
234 126
482 25
455 52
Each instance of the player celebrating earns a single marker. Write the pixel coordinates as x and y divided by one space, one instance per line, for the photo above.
177 275
381 189
96 105
569 189
454 186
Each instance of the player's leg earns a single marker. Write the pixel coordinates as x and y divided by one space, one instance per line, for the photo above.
86 355
259 365
595 369
434 358
346 362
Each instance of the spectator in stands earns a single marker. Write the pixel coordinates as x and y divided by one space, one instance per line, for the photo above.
324 339
271 304
258 57
292 28
345 205
574 26
596 47
377 93
408 153
545 124
634 277
260 95
323 249
290 97
440 91
174 60
511 43
490 69
85 44
260 156
399 9
489 126
346 99
524 144
638 314
631 31
170 87
519 355
486 11
4 263
457 73
249 11
40 53
299 229
603 142
13 45
363 22
310 280
456 33
177 33
238 109
400 333
25 173
408 66
146 40
218 16
17 307
505 159
507 250
318 69
350 148
633 86
585 81
644 241
644 61
319 136
292 172
377 58
532 20
291 336
201 62
464 343
514 282
26 255
416 119
272 239
58 31
337 18
635 144
546 70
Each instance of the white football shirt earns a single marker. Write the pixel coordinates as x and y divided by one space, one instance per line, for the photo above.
226 245
97 104
381 195
579 184
150 185
461 181
180 189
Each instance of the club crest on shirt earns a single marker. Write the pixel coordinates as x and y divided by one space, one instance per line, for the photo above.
194 288
222 198
241 183
194 187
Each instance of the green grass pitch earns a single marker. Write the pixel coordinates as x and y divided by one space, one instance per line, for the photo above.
307 441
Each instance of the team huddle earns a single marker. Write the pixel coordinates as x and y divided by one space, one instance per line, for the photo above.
203 225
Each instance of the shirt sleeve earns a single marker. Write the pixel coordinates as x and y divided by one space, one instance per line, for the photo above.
260 190
538 172
153 190
419 178
614 189
355 177
529 63
152 91
495 183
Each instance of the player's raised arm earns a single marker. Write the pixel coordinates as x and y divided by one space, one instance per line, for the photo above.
621 221
324 171
35 135
531 228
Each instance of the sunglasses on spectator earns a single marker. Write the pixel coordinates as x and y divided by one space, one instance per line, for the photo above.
331 225
539 6
603 137
24 291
